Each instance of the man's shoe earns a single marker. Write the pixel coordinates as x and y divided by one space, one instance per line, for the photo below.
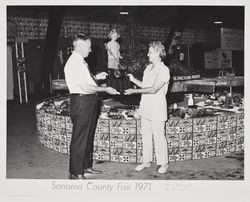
92 171
76 177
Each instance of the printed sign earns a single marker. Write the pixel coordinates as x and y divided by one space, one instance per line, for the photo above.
218 59
232 39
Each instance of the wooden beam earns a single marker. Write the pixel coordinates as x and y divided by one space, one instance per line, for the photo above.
56 15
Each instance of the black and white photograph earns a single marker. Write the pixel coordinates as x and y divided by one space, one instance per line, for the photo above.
125 98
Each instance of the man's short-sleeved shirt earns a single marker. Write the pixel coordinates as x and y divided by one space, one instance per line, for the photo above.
154 106
77 73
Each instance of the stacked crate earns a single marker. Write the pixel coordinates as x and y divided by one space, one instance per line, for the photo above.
123 140
204 137
139 144
240 133
59 133
179 138
69 129
40 125
102 141
226 137
52 132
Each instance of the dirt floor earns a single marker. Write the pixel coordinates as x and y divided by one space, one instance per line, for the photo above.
27 158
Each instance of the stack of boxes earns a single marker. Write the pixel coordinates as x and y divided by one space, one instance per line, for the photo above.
239 139
120 140
204 137
226 134
102 141
179 138
123 140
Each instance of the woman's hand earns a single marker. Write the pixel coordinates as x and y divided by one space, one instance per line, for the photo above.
130 91
134 80
131 77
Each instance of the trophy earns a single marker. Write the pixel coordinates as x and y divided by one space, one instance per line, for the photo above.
118 80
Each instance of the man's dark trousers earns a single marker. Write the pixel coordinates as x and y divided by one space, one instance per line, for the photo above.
83 113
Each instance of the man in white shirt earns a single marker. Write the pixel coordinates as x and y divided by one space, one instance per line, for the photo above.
83 107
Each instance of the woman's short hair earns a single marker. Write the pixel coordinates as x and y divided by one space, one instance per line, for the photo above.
159 47
81 37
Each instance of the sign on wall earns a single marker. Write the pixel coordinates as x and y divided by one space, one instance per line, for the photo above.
218 59
232 39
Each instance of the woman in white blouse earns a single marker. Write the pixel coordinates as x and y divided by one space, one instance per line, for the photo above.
153 107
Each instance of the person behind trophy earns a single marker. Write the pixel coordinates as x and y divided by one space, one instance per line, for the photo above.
113 50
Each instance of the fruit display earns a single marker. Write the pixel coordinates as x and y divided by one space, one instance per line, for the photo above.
61 106
208 102
225 100
115 114
56 106
190 112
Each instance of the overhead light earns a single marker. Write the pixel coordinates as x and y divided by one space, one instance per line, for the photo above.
218 22
123 13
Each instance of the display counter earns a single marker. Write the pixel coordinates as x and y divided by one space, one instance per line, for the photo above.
119 139
195 85
209 84
60 84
